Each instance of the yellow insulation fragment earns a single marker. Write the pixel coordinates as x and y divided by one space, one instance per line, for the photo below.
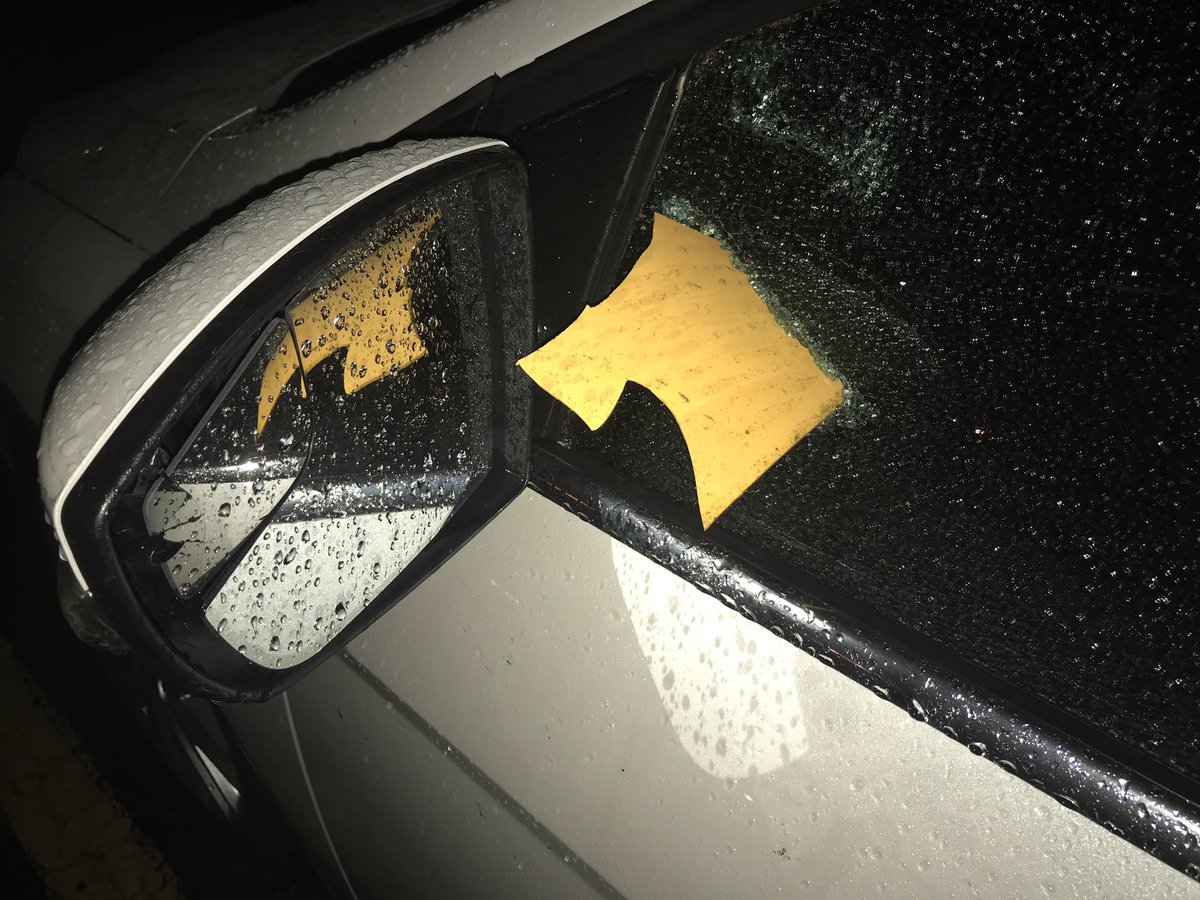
687 325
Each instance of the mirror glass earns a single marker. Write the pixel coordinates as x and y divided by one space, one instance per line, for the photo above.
231 474
387 362
330 411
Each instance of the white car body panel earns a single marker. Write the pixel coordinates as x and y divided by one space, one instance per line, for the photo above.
546 652
374 108
58 297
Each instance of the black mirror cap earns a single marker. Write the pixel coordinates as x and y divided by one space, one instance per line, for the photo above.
174 638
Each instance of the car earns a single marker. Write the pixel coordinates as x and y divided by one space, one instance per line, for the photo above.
640 449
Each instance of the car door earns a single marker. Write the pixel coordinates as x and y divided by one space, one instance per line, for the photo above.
665 707
600 695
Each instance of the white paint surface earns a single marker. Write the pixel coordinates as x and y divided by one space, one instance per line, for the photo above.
374 107
723 684
524 650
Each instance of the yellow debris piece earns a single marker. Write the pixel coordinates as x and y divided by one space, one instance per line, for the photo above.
687 325
368 311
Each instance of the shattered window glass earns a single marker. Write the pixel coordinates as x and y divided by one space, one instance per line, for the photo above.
983 220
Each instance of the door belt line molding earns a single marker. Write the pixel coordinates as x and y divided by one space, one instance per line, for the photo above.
1127 803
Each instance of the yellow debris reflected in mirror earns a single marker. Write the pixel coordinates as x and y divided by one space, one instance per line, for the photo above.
687 325
367 310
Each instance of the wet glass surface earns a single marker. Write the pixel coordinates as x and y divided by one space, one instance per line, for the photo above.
336 450
230 476
392 350
984 221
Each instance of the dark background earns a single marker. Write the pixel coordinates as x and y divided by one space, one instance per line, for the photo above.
51 50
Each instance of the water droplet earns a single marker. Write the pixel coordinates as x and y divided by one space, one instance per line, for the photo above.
233 240
224 510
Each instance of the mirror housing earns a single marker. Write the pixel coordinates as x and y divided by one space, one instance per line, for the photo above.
301 416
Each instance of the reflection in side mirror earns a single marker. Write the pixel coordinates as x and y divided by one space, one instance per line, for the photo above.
404 419
229 477
328 436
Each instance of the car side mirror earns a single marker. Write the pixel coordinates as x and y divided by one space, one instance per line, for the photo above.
301 416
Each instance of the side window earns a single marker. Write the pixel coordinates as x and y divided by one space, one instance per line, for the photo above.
983 221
